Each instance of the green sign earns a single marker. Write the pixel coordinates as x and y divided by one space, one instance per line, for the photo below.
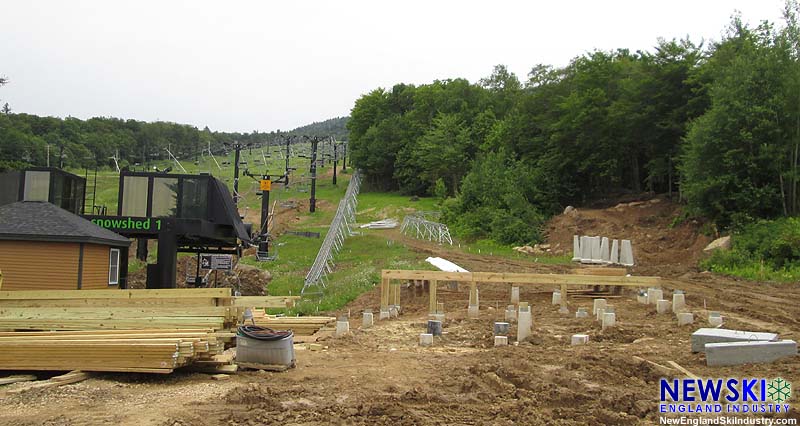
144 224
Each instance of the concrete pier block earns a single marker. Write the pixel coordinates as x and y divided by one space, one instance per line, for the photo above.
563 310
500 341
579 339
704 336
685 318
394 311
525 321
576 248
511 313
515 295
654 295
582 313
425 339
367 320
598 315
714 319
342 328
598 304
434 327
586 249
605 250
609 320
737 353
556 300
663 306
383 315
678 302
501 328
596 255
472 311
614 256
626 253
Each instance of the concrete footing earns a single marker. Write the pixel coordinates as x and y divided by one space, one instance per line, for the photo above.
394 311
563 310
525 321
383 315
598 304
511 313
425 339
704 336
472 311
435 327
342 328
515 295
714 319
367 320
654 295
678 302
556 298
626 253
685 318
609 320
663 306
737 353
581 313
501 328
579 339
500 341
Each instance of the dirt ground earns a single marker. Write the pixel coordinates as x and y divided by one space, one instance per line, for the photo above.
381 376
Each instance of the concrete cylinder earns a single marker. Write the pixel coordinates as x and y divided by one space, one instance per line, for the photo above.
663 306
598 304
685 318
366 320
342 328
515 295
556 297
524 323
678 302
425 339
581 313
579 339
500 341
435 327
609 320
501 328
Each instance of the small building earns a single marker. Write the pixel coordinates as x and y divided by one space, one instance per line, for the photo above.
44 247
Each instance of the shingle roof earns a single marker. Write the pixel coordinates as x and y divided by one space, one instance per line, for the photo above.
42 221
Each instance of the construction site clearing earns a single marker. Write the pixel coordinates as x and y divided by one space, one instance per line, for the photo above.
583 345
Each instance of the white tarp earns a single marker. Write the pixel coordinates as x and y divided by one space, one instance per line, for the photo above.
445 265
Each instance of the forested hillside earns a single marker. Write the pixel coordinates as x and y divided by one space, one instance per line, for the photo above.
717 124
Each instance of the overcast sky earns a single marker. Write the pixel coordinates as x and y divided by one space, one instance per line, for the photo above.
266 65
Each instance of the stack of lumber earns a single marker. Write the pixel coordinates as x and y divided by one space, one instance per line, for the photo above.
301 326
145 351
128 309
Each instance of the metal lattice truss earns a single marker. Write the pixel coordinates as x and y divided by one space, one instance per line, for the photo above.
334 240
418 226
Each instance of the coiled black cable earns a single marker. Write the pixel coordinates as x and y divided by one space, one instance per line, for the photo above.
263 333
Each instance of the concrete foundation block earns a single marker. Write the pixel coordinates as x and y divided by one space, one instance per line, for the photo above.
626 253
714 319
737 353
582 313
394 311
515 295
654 295
614 257
579 339
500 341
704 336
472 311
556 300
596 254
425 339
501 328
598 304
685 318
342 328
663 306
435 327
609 320
605 250
642 299
383 315
563 310
586 249
511 313
524 323
367 320
678 302
576 248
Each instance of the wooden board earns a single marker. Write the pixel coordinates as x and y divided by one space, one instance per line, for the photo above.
520 278
117 294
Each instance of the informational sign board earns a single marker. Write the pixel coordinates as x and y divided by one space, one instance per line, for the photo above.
266 185
222 262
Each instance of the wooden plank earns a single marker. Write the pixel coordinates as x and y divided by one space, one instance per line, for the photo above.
613 272
72 377
15 379
520 278
117 294
564 297
113 313
88 303
688 373
278 368
432 307
385 294
265 301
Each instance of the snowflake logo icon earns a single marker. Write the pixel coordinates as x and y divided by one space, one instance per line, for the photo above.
779 390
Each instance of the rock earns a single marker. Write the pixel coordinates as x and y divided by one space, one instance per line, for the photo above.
569 210
723 243
655 201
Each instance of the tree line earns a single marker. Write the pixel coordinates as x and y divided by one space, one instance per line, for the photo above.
717 126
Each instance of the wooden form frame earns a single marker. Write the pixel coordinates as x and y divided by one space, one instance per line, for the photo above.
390 292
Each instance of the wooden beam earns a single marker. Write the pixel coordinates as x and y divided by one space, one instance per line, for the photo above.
432 305
385 294
116 294
265 301
611 272
520 278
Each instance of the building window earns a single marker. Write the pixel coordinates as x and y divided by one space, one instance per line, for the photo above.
113 267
